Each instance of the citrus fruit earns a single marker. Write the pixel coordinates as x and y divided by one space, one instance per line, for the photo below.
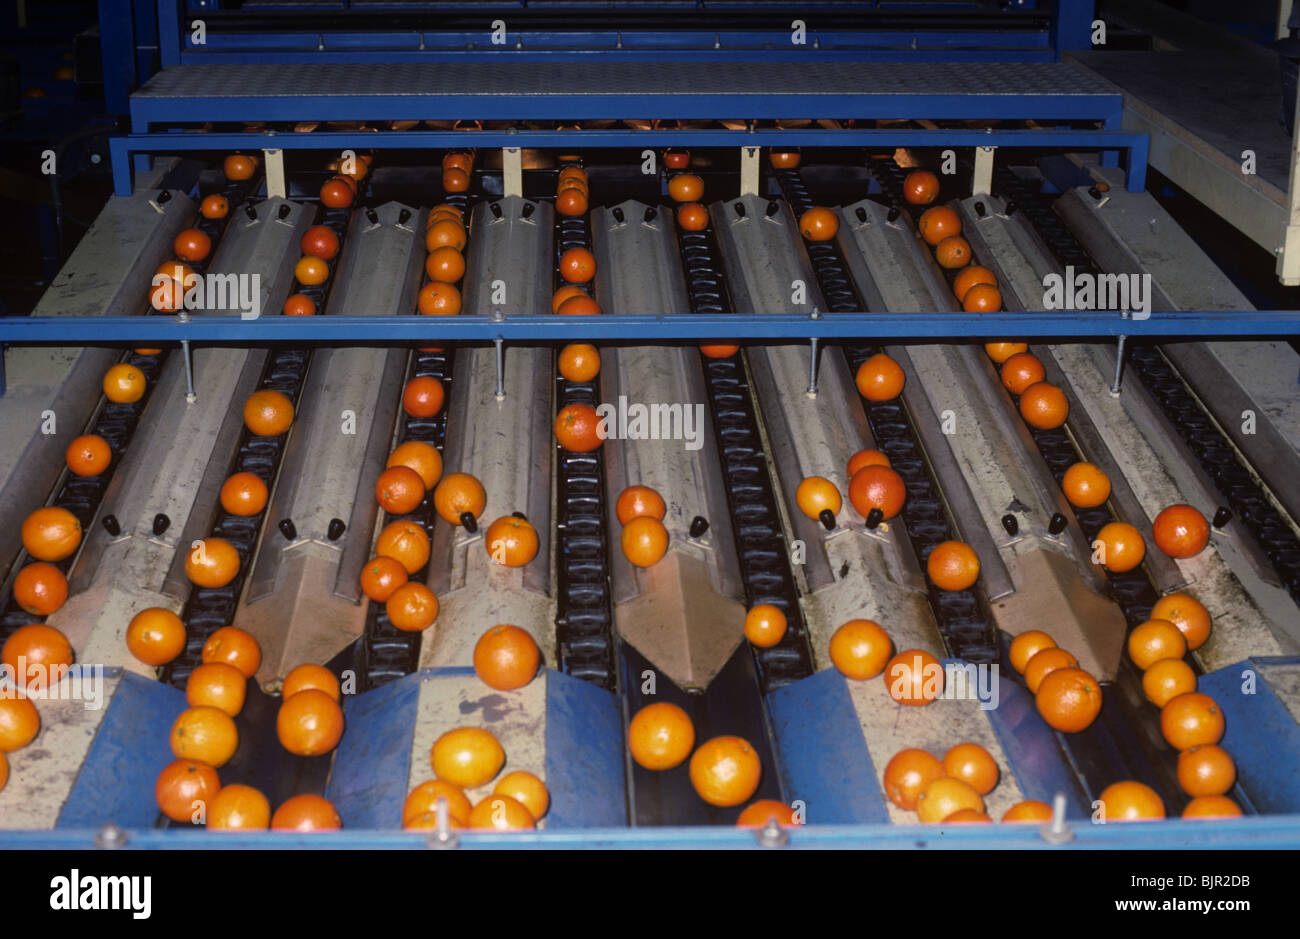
467 757
506 657
309 723
660 736
725 770
907 774
860 648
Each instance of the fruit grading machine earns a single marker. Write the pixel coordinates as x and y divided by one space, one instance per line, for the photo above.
749 291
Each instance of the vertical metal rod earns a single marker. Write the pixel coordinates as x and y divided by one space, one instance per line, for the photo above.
190 396
501 367
982 180
276 187
1119 365
812 367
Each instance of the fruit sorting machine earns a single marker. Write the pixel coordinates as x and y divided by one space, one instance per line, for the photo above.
1211 422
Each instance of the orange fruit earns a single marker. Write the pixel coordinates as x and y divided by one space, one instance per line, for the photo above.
506 657
1121 545
184 785
953 565
1206 770
953 252
458 494
310 678
526 789
244 494
1043 405
1212 807
206 734
40 588
239 808
1191 720
571 202
999 352
501 813
577 427
511 541
1069 699
1020 371
972 764
937 223
1154 640
579 305
306 812
1167 678
1043 663
124 384
438 299
268 413
45 652
19 723
399 490
155 636
299 304
968 278
765 625
215 206
817 494
758 814
178 271
677 159
860 648
445 233
982 298
234 646
725 771
212 563
309 723
217 685
455 180
567 292
717 350
914 677
191 244
1026 645
783 159
311 271
423 396
920 187
167 297
864 458
51 533
430 820
424 798
879 378
907 774
1185 612
1086 486
636 501
660 736
421 457
458 160
818 224
943 796
685 187
445 264
966 816
1180 531
406 543
577 266
1130 801
320 241
468 757
381 576
88 455
445 210
644 541
877 487
1030 810
579 361
336 193
239 167
692 216
412 607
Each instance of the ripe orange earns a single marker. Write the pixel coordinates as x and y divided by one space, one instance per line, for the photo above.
953 252
865 458
644 541
1154 640
167 297
445 264
299 304
579 361
306 812
635 501
920 187
155 636
1026 645
239 808
1043 663
982 298
19 723
879 378
424 798
182 784
999 352
907 774
972 275
717 350
783 159
244 494
337 193
212 563
692 216
765 625
458 160
685 187
445 210
567 292
412 607
877 487
215 206
429 819
178 271
445 233
206 734
1130 801
1212 807
1167 678
1191 720
438 299
399 490
1121 546
192 245
423 396
310 271
40 647
660 736
455 180
40 588
579 305
1206 770
459 494
953 565
268 413
526 789
420 456
818 224
725 771
860 648
577 427
468 757
124 384
381 576
1180 531
817 494
1187 613
943 796
51 533
914 677
511 541
310 678
1020 371
758 814
1086 486
1069 699
506 657
320 241
88 455
1043 405
577 266
234 646
571 202
309 723
217 685
937 223
677 159
1030 810
501 813
239 167
967 816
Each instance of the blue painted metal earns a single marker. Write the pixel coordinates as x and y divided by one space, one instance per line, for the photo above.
824 758
117 50
368 781
584 755
1261 734
130 749
1072 24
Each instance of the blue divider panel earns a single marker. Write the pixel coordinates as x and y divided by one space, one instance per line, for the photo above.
130 749
824 759
369 780
584 755
1260 734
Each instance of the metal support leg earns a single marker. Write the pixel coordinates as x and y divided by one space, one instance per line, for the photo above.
276 187
1119 365
1114 122
749 170
512 171
190 396
501 368
812 368
982 183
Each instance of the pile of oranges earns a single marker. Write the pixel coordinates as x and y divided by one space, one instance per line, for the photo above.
340 191
640 510
952 790
975 287
1067 697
